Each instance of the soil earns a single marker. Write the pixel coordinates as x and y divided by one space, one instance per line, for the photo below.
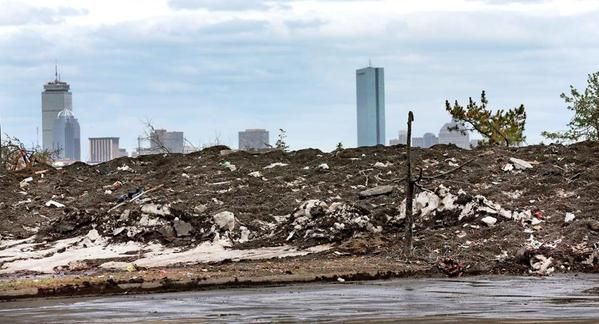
313 197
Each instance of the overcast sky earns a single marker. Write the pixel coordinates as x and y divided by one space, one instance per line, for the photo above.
213 67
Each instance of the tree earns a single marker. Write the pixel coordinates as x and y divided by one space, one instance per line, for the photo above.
585 123
281 143
503 127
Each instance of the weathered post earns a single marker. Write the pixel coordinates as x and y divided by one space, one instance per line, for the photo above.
409 189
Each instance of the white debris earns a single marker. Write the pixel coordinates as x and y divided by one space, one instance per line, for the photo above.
245 234
323 167
230 166
381 165
255 174
125 168
274 165
520 164
154 209
52 203
490 221
108 192
569 218
508 167
25 182
185 175
225 220
541 265
340 279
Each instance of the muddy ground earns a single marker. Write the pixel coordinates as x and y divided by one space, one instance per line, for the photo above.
476 210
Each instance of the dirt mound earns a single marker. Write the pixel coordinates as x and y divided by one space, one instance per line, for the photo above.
485 202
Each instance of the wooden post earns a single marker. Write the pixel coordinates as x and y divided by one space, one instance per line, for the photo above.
409 189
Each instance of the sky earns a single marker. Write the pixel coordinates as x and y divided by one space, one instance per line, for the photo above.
211 68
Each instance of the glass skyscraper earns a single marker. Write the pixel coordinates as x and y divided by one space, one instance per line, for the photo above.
370 86
55 98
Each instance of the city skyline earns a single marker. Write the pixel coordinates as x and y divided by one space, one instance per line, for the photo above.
171 61
370 106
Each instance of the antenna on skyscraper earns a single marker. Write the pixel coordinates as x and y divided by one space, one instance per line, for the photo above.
55 71
369 62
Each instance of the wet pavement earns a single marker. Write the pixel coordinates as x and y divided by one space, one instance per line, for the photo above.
523 299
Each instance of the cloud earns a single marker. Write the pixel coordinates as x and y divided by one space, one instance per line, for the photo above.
220 5
18 14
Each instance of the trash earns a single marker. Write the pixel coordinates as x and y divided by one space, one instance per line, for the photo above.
115 186
225 220
569 218
52 203
376 191
538 214
508 167
229 166
25 182
255 174
323 167
108 192
451 267
490 221
125 168
131 267
520 164
276 164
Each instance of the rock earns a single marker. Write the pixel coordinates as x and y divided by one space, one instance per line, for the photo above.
569 218
490 221
167 232
541 265
200 209
154 209
182 228
225 220
323 167
230 166
376 191
52 203
593 225
520 164
245 234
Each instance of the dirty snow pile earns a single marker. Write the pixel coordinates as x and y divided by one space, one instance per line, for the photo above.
315 219
461 207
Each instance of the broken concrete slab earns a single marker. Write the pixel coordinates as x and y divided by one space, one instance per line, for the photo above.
225 220
520 164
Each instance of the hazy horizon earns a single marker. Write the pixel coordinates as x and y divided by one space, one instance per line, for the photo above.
212 68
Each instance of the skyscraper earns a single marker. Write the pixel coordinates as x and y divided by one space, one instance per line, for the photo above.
55 98
429 139
102 149
162 141
253 139
370 86
455 137
67 143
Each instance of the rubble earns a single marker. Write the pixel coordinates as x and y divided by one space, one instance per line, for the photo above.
473 213
520 164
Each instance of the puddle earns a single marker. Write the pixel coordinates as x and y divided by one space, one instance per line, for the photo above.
470 300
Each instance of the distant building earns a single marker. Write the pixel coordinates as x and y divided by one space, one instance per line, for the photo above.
66 133
395 141
417 142
56 97
162 141
370 93
123 152
102 149
455 137
253 139
429 139
403 137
